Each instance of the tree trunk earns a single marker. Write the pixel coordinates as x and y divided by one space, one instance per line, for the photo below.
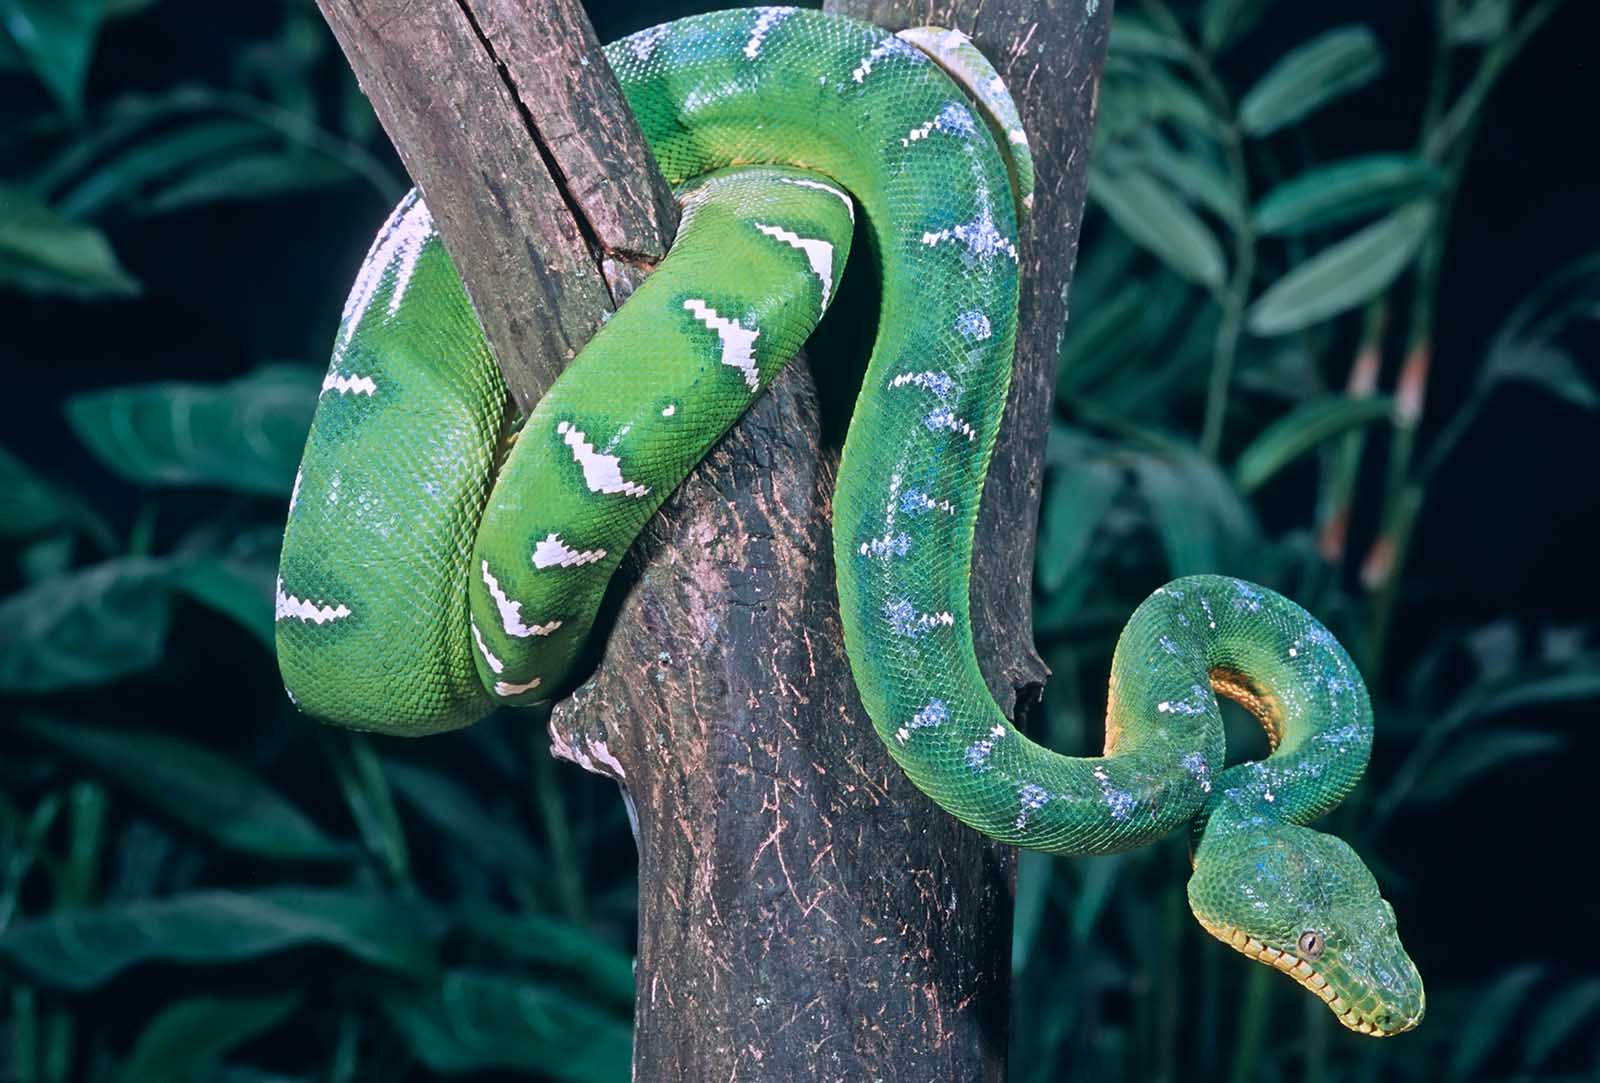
804 912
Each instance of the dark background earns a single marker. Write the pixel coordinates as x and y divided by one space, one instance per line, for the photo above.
516 875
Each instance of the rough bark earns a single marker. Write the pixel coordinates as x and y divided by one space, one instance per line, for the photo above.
804 912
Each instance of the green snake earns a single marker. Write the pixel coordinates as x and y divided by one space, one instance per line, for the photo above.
441 560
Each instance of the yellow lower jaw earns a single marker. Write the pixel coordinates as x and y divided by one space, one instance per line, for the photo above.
1298 969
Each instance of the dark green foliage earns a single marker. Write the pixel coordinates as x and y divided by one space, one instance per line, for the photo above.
196 883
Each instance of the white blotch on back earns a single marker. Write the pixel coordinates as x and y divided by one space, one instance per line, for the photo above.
348 385
398 245
494 664
974 325
294 494
890 545
644 43
904 620
982 238
890 46
738 341
943 419
765 21
552 552
506 689
819 254
511 612
939 383
801 182
671 408
288 607
601 473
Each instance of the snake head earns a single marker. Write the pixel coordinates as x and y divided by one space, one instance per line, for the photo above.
1304 903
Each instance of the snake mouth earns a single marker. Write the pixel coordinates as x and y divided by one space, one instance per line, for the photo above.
1307 975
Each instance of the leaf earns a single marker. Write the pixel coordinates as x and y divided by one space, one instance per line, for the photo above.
1223 22
1078 501
476 1021
1480 24
1133 36
184 1042
42 252
245 435
209 793
85 628
1137 95
79 949
1335 193
240 589
1560 1018
30 506
1302 429
261 175
1492 1016
559 945
457 813
57 38
1191 170
1325 68
154 156
1152 216
1343 275
1197 514
1474 754
1545 366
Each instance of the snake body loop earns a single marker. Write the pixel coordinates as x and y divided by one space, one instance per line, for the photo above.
433 570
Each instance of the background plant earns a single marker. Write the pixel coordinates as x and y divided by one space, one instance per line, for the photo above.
1323 334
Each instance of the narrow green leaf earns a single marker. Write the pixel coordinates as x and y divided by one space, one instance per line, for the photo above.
453 809
1192 170
1475 754
1481 23
79 949
1223 22
42 252
558 945
1562 1016
1136 95
1343 275
1156 219
57 38
186 1040
245 435
1099 336
1133 36
1306 78
1198 515
1078 500
1492 1016
1329 195
1545 366
240 589
1302 429
153 156
262 175
1035 874
476 1021
210 794
85 628
30 506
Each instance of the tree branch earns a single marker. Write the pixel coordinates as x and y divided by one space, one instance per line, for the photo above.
804 911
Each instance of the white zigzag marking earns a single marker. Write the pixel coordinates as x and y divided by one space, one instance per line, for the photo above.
904 620
601 473
506 689
348 385
886 47
738 342
495 665
943 419
288 607
294 494
768 18
553 552
849 204
980 236
819 254
939 383
953 119
1018 136
511 612
398 244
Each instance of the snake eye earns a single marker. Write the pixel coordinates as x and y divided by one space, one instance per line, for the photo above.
1311 944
